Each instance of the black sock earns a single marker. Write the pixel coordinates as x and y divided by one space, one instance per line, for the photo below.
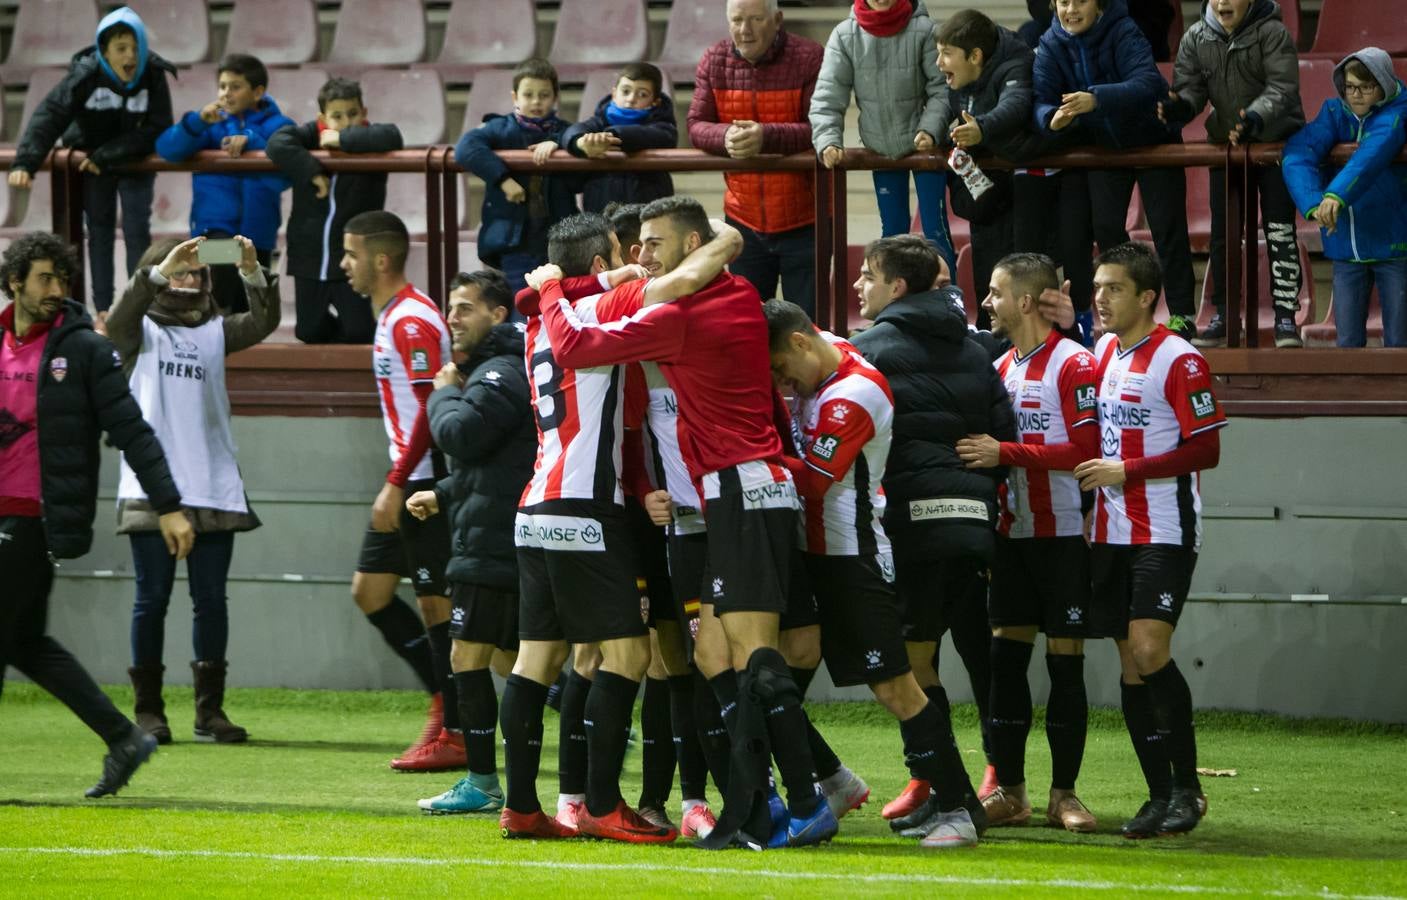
608 709
769 681
520 717
405 634
1172 705
478 714
1147 740
571 745
827 763
713 733
657 737
938 696
693 770
972 638
1066 719
554 693
725 687
923 737
951 787
439 658
1010 707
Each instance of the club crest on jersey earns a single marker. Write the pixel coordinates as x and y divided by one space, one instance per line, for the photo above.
1084 397
1203 404
1109 444
419 361
58 368
825 447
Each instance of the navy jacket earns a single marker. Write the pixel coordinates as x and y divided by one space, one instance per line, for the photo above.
658 130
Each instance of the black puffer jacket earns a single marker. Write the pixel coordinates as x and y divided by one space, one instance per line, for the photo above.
657 131
944 389
488 431
91 397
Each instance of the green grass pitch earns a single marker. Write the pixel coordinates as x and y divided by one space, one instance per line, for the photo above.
309 808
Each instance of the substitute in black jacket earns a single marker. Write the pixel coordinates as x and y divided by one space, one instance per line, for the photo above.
112 104
941 515
635 115
328 310
61 385
481 416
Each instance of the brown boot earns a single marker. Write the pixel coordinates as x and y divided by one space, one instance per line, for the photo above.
210 721
149 708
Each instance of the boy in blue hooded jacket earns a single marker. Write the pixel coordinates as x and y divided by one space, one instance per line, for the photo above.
112 104
242 117
1361 208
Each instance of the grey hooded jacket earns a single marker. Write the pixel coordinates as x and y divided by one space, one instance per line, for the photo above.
1255 69
896 82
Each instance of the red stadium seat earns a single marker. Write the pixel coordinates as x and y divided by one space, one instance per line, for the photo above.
279 32
179 31
1399 67
378 33
971 300
46 33
38 213
414 100
296 92
491 93
405 196
1348 25
600 83
485 33
692 29
1290 14
595 33
1325 334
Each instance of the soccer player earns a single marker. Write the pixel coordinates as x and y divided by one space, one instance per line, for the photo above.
1040 574
411 343
1159 421
842 428
712 348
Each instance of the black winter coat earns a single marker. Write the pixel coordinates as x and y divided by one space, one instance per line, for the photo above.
122 127
657 131
315 225
944 389
90 397
488 431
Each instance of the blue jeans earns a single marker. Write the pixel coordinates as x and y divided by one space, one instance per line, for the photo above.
891 190
1353 286
207 568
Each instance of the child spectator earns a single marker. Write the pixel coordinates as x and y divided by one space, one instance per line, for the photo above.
884 53
1094 73
329 311
519 209
1241 58
636 115
1362 207
112 105
241 117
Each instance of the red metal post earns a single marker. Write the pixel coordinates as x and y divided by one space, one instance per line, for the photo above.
824 223
1235 257
1251 248
435 282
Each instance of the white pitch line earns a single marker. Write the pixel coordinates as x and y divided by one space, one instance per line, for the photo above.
847 877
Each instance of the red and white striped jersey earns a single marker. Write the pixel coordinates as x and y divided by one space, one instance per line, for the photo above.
1152 397
844 434
1053 393
579 418
411 343
664 454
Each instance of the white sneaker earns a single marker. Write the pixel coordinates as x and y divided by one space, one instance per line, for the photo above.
844 791
950 830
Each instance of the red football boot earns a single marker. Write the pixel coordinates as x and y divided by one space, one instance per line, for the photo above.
989 783
914 795
434 724
624 824
531 825
445 752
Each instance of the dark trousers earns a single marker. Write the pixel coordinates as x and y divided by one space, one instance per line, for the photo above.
330 312
1277 220
990 242
1053 217
207 569
226 285
101 194
788 256
1165 201
24 612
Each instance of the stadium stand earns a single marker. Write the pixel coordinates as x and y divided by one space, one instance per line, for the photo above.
180 32
44 35
279 32
481 34
38 213
1324 334
413 99
692 28
1304 317
488 95
600 82
595 33
1348 25
363 28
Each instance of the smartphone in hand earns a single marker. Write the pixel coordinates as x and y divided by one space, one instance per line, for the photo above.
220 252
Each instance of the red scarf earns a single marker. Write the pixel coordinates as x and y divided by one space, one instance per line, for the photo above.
885 23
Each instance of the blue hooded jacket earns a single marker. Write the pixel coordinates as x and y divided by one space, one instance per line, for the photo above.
1113 61
235 204
111 120
1373 190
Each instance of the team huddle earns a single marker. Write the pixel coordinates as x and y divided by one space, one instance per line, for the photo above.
661 475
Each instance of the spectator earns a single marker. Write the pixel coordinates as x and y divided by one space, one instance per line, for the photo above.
1153 17
1094 74
752 92
1362 207
1241 57
519 210
636 115
329 311
173 342
884 53
241 117
112 105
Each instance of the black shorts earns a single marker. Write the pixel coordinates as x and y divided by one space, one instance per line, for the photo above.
419 550
802 601
862 620
1146 581
484 615
576 573
934 590
751 539
688 561
1042 582
652 552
